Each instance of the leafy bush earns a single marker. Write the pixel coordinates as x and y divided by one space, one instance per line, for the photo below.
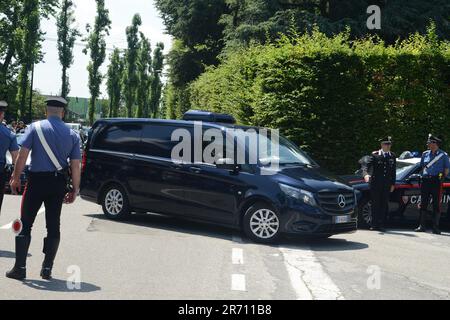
334 97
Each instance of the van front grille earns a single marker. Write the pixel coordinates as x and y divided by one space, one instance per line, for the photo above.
337 202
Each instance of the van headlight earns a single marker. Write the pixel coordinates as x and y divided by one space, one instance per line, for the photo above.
299 194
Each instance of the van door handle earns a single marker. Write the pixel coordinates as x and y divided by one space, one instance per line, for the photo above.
195 169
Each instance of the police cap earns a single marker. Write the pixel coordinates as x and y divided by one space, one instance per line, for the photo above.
57 102
386 140
3 105
434 139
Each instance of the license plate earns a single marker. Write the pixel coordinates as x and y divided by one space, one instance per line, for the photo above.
342 219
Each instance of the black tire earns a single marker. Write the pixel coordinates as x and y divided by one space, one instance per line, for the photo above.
365 216
269 230
118 210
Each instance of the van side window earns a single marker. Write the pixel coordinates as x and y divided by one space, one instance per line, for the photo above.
119 137
157 141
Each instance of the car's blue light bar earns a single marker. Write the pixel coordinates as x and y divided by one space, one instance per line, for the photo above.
206 116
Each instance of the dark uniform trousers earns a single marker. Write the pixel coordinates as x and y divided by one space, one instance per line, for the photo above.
379 193
47 189
431 188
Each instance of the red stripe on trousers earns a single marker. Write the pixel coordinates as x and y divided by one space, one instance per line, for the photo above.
23 198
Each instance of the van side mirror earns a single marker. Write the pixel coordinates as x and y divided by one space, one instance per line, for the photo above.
227 164
414 178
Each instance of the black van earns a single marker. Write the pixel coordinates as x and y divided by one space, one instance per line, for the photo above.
128 167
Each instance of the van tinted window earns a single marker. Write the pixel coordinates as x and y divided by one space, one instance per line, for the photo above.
123 137
157 140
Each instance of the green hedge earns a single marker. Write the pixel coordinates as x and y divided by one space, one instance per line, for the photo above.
333 97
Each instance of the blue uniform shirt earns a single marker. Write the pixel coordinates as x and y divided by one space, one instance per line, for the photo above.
8 142
438 167
64 142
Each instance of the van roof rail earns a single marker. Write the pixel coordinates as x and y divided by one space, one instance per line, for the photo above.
206 116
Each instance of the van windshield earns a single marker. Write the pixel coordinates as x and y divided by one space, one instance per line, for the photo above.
288 154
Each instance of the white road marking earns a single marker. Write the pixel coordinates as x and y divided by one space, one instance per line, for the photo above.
308 277
9 225
237 256
238 282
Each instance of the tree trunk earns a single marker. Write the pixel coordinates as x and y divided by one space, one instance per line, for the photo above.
92 110
64 88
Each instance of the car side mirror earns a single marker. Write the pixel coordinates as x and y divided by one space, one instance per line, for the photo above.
227 164
414 178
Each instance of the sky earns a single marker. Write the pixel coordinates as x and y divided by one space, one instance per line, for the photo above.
47 75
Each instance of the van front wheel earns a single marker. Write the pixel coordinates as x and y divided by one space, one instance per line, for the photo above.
261 223
115 203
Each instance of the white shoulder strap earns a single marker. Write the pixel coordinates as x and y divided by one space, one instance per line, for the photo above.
428 166
47 148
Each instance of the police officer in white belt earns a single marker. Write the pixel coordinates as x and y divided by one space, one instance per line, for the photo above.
436 166
52 144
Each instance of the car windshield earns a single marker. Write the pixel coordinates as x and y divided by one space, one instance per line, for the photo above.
403 169
289 153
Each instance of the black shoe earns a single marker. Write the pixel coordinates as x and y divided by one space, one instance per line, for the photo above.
437 231
19 272
50 250
420 229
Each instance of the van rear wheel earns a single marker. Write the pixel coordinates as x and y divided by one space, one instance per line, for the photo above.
261 223
115 203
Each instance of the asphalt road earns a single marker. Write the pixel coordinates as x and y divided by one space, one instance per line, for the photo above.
156 257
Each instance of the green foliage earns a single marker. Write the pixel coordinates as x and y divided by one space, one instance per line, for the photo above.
156 83
114 82
29 48
97 49
67 36
144 67
20 48
334 97
131 79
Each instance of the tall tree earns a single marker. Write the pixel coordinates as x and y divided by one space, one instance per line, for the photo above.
156 84
30 49
67 35
97 48
114 82
144 67
198 41
131 77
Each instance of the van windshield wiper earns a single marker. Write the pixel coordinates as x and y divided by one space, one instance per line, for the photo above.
300 164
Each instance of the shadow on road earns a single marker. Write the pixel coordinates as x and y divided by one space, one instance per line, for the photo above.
160 222
59 286
323 244
191 227
9 254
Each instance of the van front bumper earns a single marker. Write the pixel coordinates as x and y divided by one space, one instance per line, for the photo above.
306 220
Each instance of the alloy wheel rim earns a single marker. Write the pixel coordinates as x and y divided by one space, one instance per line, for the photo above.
114 202
264 224
367 213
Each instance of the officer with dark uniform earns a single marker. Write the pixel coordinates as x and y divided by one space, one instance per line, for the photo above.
380 172
8 142
435 167
47 182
